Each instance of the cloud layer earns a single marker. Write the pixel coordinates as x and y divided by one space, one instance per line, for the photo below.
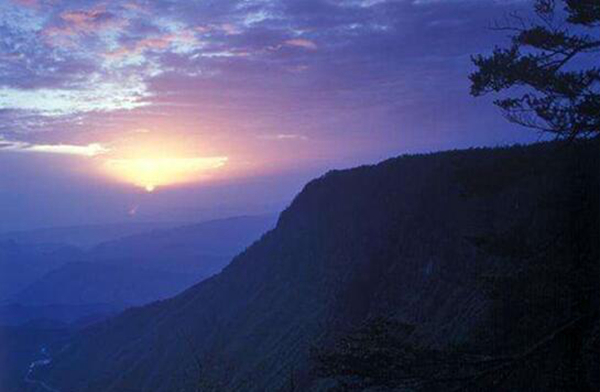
241 57
282 88
89 150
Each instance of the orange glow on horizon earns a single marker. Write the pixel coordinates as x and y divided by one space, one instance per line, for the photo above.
153 161
150 173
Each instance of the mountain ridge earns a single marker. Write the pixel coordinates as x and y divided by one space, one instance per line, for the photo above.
393 238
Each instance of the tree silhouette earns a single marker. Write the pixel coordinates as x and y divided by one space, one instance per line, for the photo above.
553 64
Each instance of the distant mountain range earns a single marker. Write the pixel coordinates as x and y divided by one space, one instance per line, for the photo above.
83 236
400 239
21 265
96 283
136 269
201 249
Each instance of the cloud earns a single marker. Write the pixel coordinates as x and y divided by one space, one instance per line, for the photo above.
301 43
229 28
89 150
328 65
104 95
27 3
284 136
74 24
181 41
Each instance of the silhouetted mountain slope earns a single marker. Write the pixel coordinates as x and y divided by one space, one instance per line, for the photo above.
395 238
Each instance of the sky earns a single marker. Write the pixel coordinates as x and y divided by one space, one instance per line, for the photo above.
115 111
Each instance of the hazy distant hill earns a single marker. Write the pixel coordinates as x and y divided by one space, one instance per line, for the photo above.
200 249
111 276
56 315
78 290
392 239
97 283
26 256
83 236
20 265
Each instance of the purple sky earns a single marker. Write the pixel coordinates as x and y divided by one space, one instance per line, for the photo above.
285 90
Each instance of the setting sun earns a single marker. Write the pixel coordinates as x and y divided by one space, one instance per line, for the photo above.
150 173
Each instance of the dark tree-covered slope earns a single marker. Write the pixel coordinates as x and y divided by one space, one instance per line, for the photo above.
404 238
